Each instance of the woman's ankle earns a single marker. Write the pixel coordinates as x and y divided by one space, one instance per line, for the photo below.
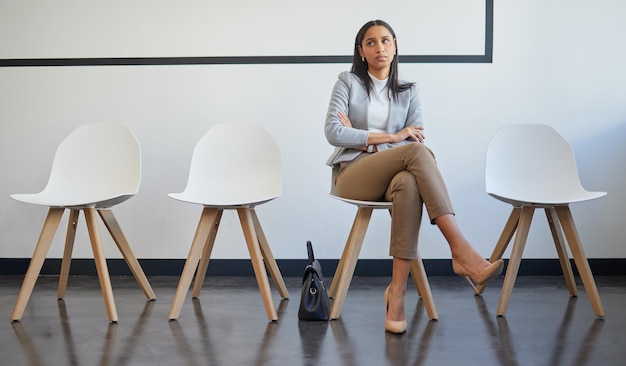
471 260
395 310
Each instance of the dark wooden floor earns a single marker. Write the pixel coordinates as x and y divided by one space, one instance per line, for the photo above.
227 325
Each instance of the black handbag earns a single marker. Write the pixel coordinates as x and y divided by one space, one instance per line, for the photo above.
314 302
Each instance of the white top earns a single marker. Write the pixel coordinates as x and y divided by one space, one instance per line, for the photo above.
378 111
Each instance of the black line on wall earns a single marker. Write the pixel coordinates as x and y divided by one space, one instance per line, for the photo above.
255 60
295 267
488 31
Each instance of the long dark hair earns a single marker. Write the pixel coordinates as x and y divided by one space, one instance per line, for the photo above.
359 67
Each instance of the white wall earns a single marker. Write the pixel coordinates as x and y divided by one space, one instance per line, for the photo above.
557 62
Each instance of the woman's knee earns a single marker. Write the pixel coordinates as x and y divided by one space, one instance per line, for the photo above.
404 185
403 180
419 148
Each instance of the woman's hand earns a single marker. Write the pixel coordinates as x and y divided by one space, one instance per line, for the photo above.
412 132
345 121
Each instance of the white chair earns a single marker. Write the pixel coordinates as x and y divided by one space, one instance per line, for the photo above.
532 166
96 167
234 166
347 264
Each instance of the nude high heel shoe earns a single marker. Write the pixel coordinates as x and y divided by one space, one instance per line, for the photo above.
393 326
491 271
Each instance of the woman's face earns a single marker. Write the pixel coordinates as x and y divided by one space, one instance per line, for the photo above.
378 48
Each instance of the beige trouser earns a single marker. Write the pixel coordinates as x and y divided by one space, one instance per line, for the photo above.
406 175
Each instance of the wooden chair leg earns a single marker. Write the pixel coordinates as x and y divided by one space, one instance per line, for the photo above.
36 262
115 230
207 220
344 255
270 262
247 224
559 242
569 228
206 256
67 252
503 241
516 258
423 287
354 244
101 264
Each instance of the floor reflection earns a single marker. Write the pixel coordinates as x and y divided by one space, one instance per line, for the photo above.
66 329
312 335
209 341
184 348
72 352
34 358
500 334
131 342
587 346
503 343
346 345
270 334
564 332
543 329
400 349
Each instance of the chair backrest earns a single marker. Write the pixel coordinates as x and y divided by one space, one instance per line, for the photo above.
234 164
533 163
97 164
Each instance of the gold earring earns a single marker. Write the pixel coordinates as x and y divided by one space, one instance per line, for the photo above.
362 59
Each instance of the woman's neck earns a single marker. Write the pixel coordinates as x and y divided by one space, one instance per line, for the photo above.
380 74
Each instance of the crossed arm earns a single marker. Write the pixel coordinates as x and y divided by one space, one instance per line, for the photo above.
374 138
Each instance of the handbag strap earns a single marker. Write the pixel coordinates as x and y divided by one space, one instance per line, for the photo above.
309 249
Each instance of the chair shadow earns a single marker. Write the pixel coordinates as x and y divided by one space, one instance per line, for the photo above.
504 344
345 345
500 334
71 353
270 331
34 358
130 342
397 346
182 344
586 347
186 350
400 348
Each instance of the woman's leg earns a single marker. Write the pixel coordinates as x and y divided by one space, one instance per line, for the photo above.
406 217
397 289
377 176
462 251
370 176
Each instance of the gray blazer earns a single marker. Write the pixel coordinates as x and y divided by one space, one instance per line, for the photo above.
350 97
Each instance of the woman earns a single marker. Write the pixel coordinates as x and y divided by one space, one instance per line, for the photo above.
375 122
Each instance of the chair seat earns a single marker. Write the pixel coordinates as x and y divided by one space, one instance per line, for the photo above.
372 204
543 199
73 200
212 200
